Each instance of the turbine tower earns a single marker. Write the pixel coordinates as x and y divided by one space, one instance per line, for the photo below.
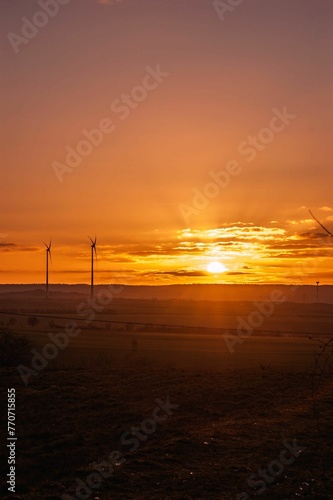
48 256
93 256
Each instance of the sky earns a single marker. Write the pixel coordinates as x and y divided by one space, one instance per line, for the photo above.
190 136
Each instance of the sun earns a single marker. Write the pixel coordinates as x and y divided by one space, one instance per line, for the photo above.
216 268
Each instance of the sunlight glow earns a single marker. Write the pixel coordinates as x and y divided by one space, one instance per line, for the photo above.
216 268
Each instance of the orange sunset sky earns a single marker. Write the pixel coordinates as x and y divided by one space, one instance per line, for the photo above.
215 137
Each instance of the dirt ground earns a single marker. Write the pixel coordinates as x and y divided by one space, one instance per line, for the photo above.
214 429
131 411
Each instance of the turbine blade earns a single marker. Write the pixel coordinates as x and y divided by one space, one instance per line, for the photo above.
50 244
45 244
320 224
91 240
50 256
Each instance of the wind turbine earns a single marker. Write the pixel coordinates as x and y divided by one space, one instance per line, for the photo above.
48 256
320 224
93 256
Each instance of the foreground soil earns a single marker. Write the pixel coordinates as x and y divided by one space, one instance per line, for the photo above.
221 428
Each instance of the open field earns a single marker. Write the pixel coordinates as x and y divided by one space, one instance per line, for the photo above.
183 315
197 334
197 351
227 425
231 413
